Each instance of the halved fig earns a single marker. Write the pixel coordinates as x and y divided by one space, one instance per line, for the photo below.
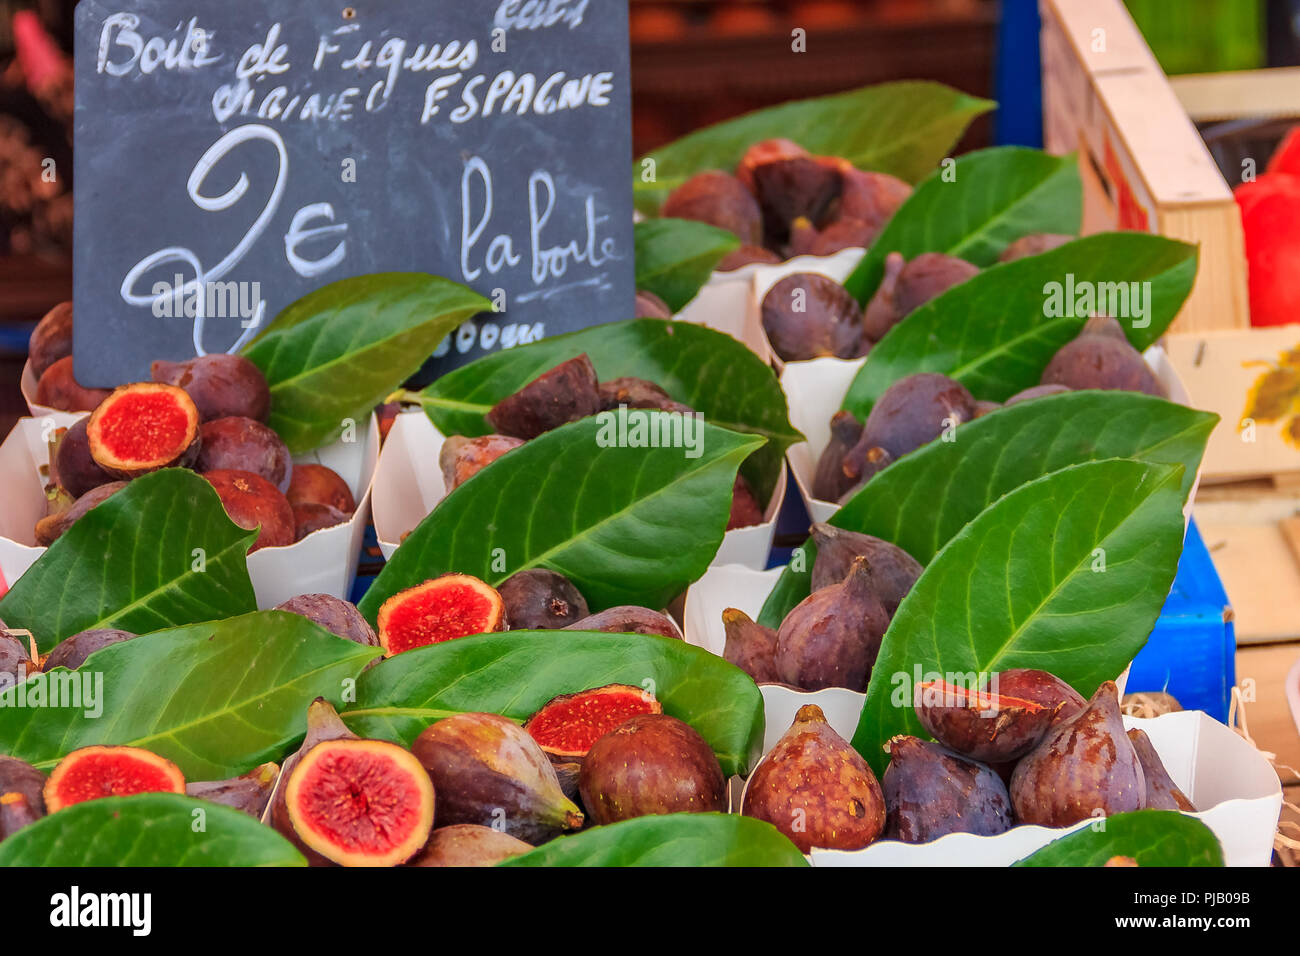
360 802
441 609
143 427
567 726
980 724
94 772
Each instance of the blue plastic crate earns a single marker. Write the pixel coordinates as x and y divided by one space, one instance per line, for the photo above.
1192 650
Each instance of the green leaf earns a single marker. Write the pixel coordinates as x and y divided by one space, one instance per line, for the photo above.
676 839
898 128
923 500
675 257
336 353
130 563
1151 837
148 829
1067 573
976 208
995 333
626 525
514 673
217 699
700 367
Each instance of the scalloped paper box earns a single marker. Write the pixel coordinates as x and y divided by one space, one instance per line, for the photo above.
323 562
408 485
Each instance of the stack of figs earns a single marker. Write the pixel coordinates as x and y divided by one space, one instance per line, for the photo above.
566 393
832 637
918 409
1023 749
207 413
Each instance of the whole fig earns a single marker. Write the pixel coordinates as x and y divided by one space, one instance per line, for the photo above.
816 789
487 770
71 652
931 792
1101 357
1162 792
628 619
831 638
916 410
1083 766
468 844
907 287
750 646
830 480
335 615
649 765
807 315
989 725
891 570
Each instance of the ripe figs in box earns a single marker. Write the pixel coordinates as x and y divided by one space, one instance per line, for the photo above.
244 444
71 652
441 609
891 570
1084 766
143 427
94 772
249 792
51 340
568 725
719 199
57 388
931 792
649 765
807 315
250 500
990 725
221 385
816 789
335 615
540 599
467 844
317 484
564 394
916 410
831 638
1101 357
628 619
50 528
487 770
750 646
1162 792
462 458
74 468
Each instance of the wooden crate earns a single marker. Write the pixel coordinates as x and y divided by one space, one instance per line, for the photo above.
1143 163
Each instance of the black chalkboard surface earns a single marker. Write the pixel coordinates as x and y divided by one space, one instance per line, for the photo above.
233 155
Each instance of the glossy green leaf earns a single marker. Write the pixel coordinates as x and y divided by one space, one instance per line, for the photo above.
976 208
627 525
514 673
217 699
336 353
677 839
161 552
922 500
900 128
149 829
1067 573
700 367
996 332
675 257
1151 837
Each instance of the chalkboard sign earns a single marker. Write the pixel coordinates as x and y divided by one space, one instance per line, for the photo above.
234 155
